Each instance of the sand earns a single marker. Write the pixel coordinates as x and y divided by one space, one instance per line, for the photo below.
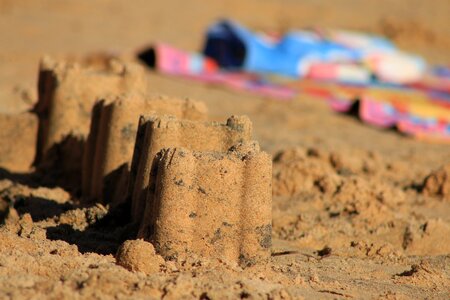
357 212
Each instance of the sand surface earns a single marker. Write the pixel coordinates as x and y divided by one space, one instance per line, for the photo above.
356 213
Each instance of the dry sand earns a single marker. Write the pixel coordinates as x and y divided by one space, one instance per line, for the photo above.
357 212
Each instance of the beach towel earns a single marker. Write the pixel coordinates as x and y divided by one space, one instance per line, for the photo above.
352 72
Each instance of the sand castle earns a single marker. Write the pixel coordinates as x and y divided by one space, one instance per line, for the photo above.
215 204
109 148
67 93
157 133
202 187
194 186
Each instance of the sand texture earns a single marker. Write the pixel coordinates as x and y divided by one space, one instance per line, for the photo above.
148 196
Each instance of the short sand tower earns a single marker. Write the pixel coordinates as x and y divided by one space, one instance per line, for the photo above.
109 148
67 92
157 133
214 204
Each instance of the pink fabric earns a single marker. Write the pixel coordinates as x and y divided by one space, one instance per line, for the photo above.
172 61
377 113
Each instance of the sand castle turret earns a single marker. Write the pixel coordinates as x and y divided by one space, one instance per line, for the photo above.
157 133
214 204
67 92
109 148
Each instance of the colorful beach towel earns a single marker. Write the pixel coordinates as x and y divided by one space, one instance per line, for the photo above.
388 87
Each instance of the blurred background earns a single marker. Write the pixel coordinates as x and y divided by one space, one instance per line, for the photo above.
31 29
28 29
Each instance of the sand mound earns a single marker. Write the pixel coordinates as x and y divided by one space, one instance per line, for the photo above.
299 170
139 256
430 237
438 183
424 274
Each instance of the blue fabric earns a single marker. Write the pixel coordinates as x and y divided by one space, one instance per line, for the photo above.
235 47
